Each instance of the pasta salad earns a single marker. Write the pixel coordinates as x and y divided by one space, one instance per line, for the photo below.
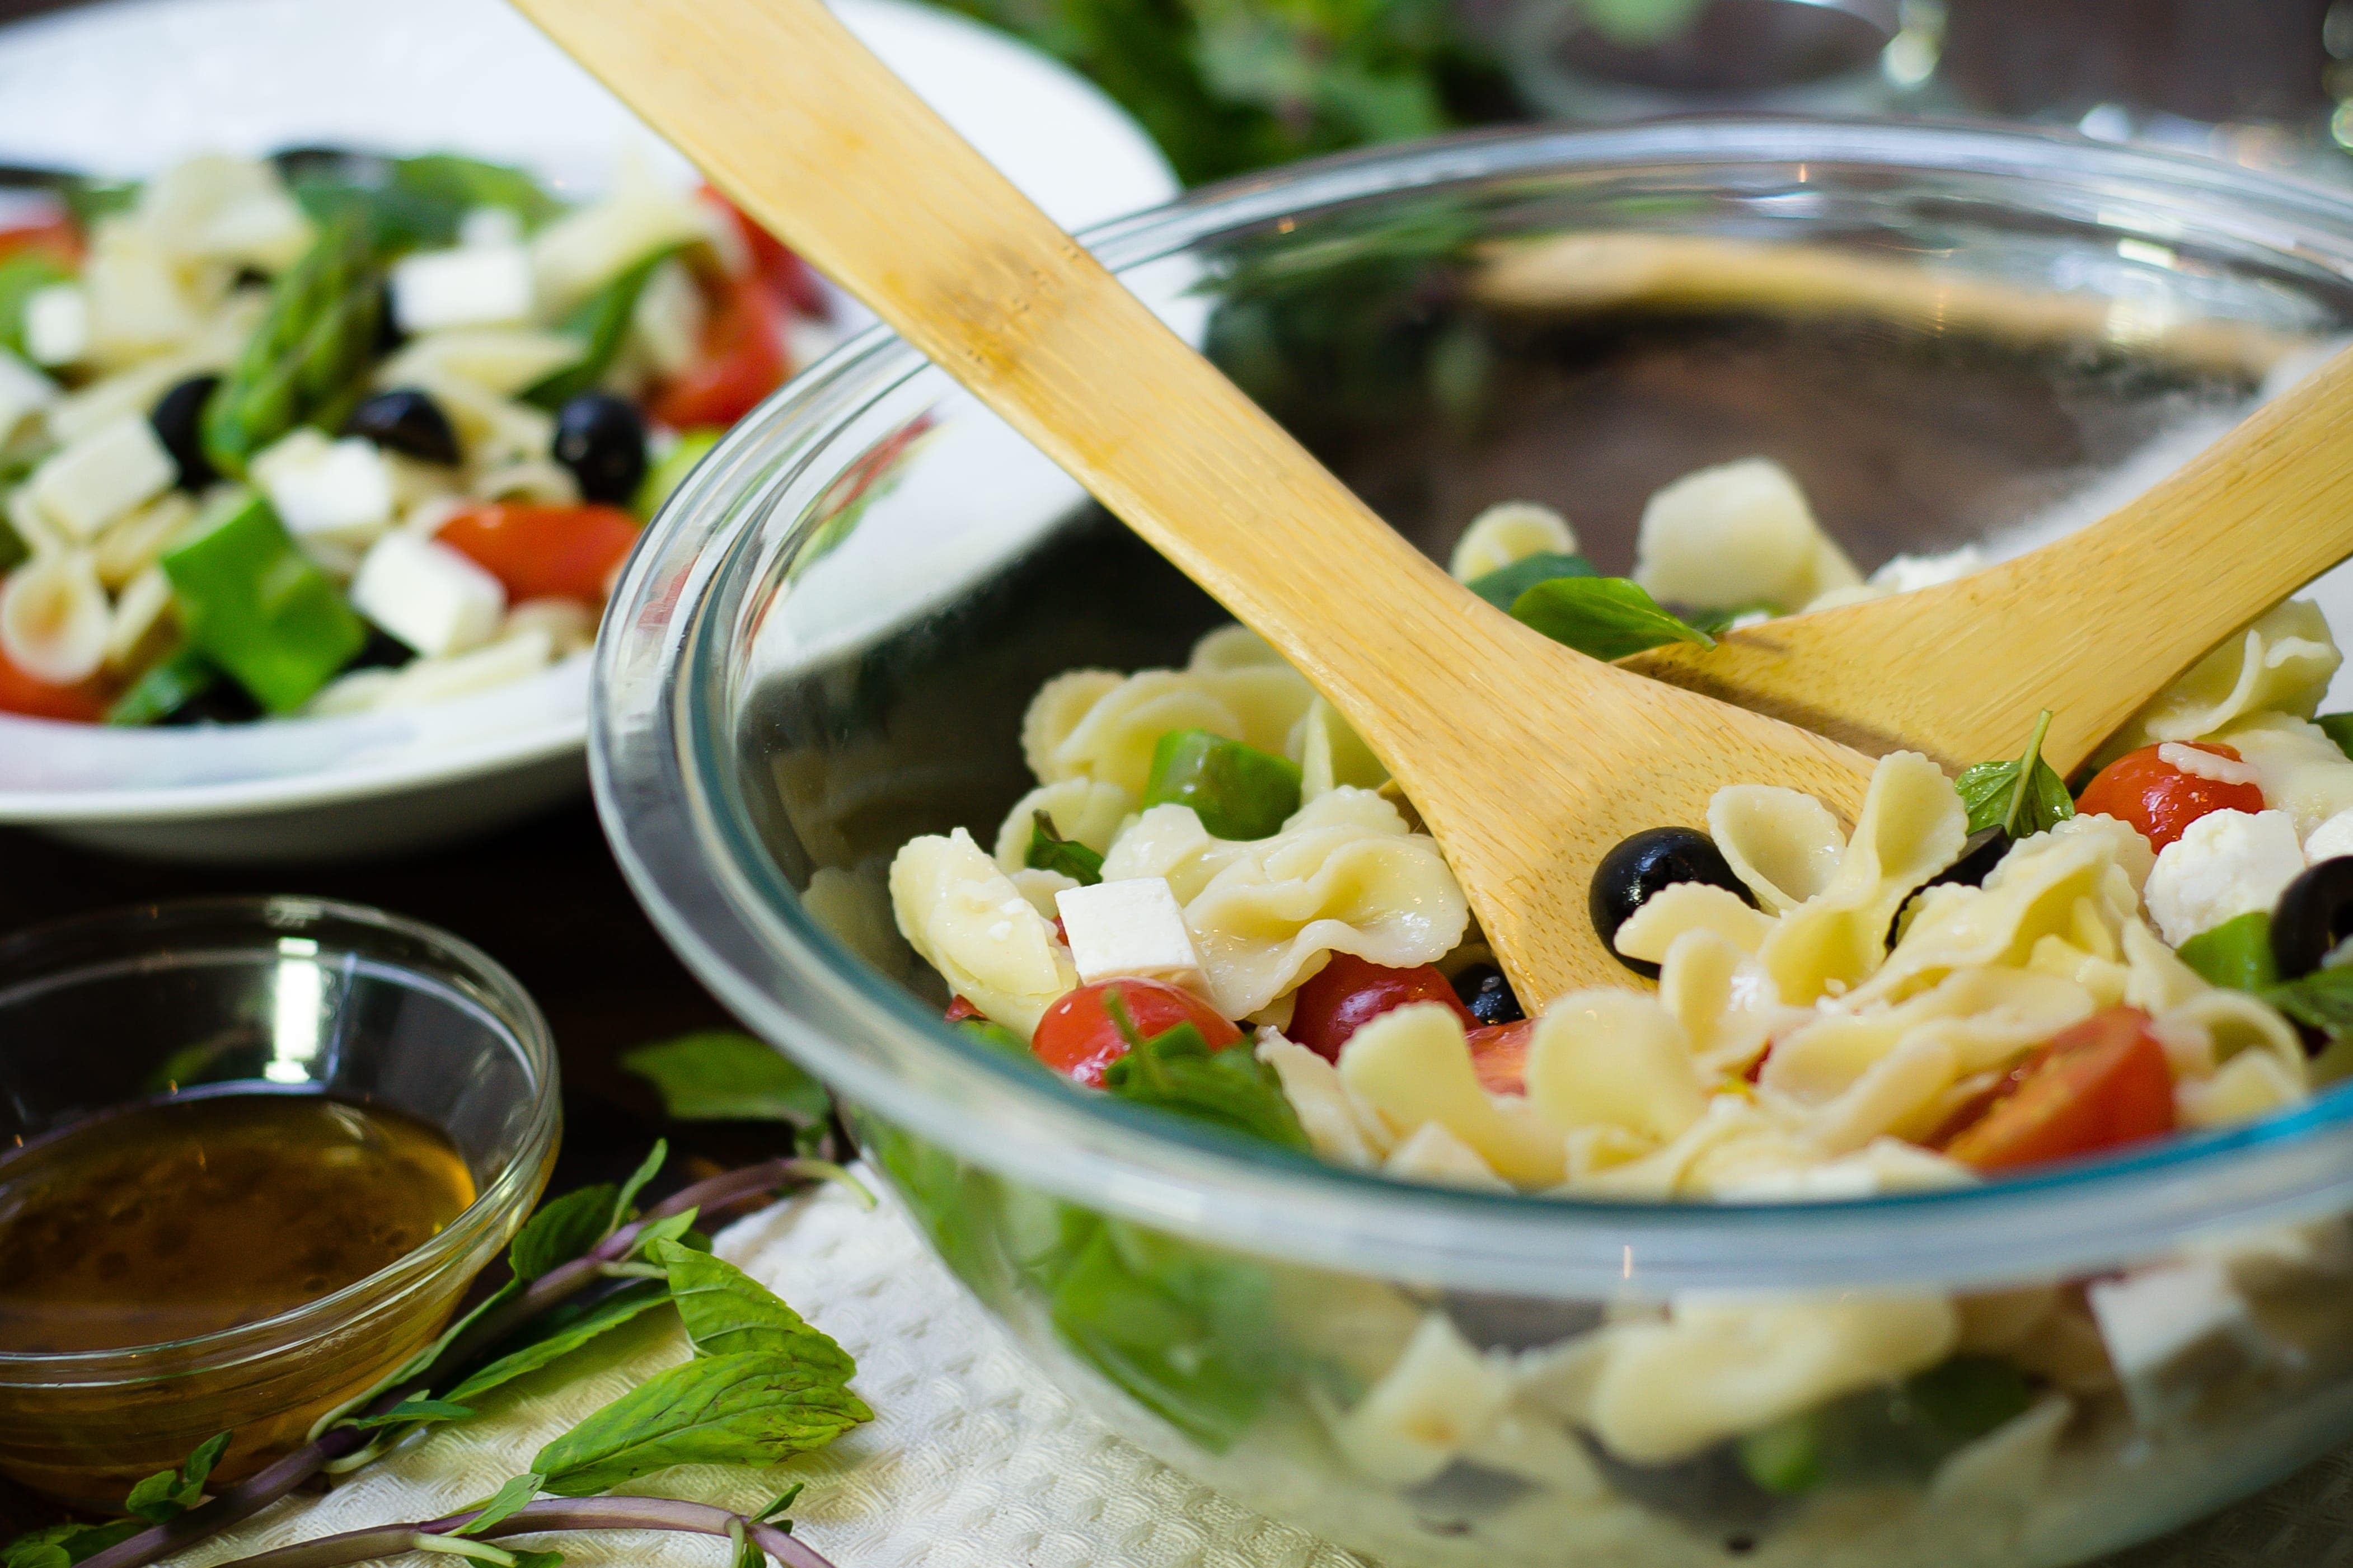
332 431
1215 901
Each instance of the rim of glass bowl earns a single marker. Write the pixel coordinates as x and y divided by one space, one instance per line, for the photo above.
127 939
685 841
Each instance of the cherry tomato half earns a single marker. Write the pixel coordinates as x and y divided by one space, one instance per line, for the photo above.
1348 993
785 272
21 692
743 361
1499 1054
2158 799
959 1010
2102 1084
55 237
1078 1036
544 552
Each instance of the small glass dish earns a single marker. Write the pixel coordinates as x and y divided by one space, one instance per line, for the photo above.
111 1009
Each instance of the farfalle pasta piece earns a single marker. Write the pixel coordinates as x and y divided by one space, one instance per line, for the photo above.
1507 532
1330 753
2302 771
1912 825
1079 728
1440 1397
968 920
1719 1366
1681 907
1080 809
1722 999
1613 1058
1981 1017
1337 1128
1233 648
1411 1066
2281 662
1783 844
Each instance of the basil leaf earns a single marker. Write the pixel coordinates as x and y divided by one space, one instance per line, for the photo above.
418 1409
1503 586
754 1409
622 1201
1716 623
1049 851
1603 617
563 1229
999 1037
720 1075
1995 799
784 1499
1177 1071
2237 954
2321 1000
600 322
167 1494
557 1334
2337 727
458 185
728 1313
60 1545
504 1502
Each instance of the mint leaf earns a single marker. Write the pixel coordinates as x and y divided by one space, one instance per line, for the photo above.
728 1313
557 1334
1602 617
751 1409
418 1409
167 1494
1995 797
1049 851
1177 1071
504 1502
1503 586
648 1169
563 1229
721 1075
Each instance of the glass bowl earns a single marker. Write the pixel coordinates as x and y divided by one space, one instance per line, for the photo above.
111 1009
1949 335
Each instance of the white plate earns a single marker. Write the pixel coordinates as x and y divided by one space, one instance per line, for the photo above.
131 87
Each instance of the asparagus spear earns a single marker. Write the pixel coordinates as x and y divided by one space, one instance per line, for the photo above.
308 362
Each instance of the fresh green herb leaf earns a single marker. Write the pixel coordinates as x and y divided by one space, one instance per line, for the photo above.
1602 617
22 276
2007 796
1238 792
557 1335
13 548
669 1228
60 1545
1503 586
455 1545
1049 851
407 204
1887 1433
308 362
88 199
728 1313
754 1409
2237 954
720 1075
524 1559
600 323
168 687
999 1037
743 1552
783 1500
563 1229
2321 1000
418 1409
1716 623
504 1502
2337 727
458 185
625 1201
167 1494
1177 1071
1785 1458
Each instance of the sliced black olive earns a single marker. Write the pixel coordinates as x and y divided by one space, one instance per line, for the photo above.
2312 917
1980 856
602 439
1488 994
179 421
1641 864
407 421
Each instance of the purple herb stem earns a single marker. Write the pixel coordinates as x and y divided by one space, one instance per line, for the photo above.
546 1515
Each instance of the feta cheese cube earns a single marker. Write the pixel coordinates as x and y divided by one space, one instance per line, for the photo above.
2170 1330
472 285
24 391
2226 864
56 325
341 491
490 225
119 466
2330 839
1131 928
427 596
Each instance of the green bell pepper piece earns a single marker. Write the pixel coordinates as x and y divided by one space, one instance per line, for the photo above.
258 607
2237 954
666 476
1238 792
158 694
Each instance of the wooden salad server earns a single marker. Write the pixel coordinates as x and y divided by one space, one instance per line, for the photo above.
2090 626
1527 761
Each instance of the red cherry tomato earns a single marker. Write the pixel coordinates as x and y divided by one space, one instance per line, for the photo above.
2100 1084
785 272
56 236
544 552
1079 1038
743 361
2158 799
959 1010
22 692
1348 993
1499 1054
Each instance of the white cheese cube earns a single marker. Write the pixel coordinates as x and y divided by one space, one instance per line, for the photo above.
1131 928
119 466
2225 865
490 225
2331 839
2170 1330
56 325
427 596
472 285
24 391
339 491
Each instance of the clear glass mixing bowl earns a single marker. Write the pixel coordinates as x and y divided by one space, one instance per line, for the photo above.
826 641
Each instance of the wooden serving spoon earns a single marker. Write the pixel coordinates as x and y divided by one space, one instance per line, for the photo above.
2091 627
1527 761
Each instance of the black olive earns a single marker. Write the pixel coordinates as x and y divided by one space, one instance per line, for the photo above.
1980 856
179 421
407 421
602 439
1641 864
2312 917
1488 994
222 702
381 651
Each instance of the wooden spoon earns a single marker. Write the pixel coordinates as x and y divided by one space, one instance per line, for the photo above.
2091 627
1528 762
